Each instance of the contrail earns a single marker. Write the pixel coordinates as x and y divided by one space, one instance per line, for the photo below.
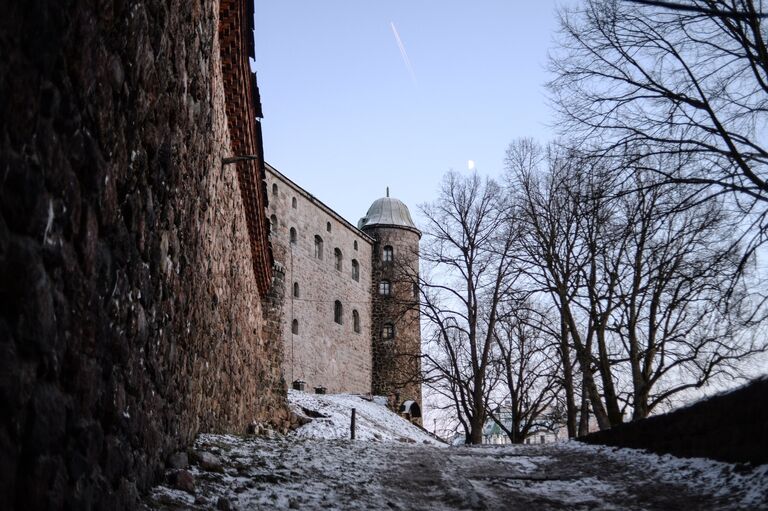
403 53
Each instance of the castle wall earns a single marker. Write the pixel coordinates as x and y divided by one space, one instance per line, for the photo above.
131 260
396 362
323 352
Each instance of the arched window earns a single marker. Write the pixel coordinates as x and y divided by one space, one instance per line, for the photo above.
355 244
295 289
337 311
385 288
337 258
328 226
295 327
387 255
356 321
293 235
388 331
273 224
355 270
294 204
274 189
318 247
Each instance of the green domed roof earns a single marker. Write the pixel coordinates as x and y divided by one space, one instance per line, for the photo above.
387 211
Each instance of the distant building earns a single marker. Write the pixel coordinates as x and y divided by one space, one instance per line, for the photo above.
350 313
544 436
494 433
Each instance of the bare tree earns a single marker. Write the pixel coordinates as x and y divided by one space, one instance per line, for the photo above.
529 373
685 79
677 321
467 275
558 259
641 284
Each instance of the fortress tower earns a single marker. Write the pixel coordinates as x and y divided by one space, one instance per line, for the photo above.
395 321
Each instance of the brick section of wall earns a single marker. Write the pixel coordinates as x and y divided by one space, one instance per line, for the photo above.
323 353
130 313
396 363
243 108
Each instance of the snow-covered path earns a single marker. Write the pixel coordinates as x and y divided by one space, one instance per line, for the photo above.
303 473
395 465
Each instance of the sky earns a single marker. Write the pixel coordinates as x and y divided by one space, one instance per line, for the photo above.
349 109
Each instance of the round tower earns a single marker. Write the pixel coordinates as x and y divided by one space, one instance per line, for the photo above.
396 329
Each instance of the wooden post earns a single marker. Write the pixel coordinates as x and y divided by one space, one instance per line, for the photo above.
352 426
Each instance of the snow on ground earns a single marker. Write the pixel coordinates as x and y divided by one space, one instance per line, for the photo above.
282 473
743 486
394 465
374 422
301 473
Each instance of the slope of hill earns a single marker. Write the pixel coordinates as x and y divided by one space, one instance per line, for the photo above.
330 417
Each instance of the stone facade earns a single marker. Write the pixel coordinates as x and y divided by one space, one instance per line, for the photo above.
134 266
318 350
396 362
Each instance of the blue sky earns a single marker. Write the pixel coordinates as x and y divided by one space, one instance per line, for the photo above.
345 118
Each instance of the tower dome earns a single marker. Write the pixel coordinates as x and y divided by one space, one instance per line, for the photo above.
387 212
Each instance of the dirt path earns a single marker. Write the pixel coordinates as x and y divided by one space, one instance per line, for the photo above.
532 478
291 473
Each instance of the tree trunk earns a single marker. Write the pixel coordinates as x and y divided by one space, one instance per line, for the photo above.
641 410
570 404
611 402
476 435
589 388
584 415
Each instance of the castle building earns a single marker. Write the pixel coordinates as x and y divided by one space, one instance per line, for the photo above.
350 316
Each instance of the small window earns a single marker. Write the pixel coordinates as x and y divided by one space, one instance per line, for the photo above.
294 203
385 288
355 270
293 235
328 226
273 224
388 331
356 321
295 289
415 290
274 189
295 327
337 258
337 311
387 255
318 247
355 245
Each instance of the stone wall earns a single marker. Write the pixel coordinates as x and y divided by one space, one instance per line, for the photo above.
730 427
323 352
396 362
130 310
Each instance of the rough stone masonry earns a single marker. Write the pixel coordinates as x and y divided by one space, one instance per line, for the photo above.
134 266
